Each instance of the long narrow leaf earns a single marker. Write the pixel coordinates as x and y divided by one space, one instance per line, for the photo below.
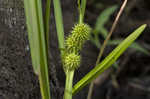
108 61
59 23
47 20
37 40
102 19
134 45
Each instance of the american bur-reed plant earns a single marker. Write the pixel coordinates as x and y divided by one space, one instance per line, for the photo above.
71 58
70 47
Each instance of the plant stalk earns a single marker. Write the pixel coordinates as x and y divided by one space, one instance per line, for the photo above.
81 9
68 86
44 94
47 21
59 24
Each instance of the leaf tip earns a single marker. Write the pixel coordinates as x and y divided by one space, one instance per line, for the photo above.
144 26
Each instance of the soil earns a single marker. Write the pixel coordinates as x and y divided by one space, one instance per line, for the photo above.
17 81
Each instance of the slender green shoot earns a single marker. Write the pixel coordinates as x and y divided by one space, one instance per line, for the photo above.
81 8
37 40
47 20
68 86
108 61
59 24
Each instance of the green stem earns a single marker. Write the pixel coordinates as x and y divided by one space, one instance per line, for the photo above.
80 19
83 7
80 12
47 21
59 24
68 86
44 86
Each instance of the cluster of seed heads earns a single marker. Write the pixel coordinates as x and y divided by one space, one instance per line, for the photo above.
73 44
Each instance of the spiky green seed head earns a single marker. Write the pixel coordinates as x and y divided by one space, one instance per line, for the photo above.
71 61
72 45
81 32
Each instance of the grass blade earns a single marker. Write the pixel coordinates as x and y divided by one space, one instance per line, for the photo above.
102 19
134 45
108 61
59 23
47 20
37 40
